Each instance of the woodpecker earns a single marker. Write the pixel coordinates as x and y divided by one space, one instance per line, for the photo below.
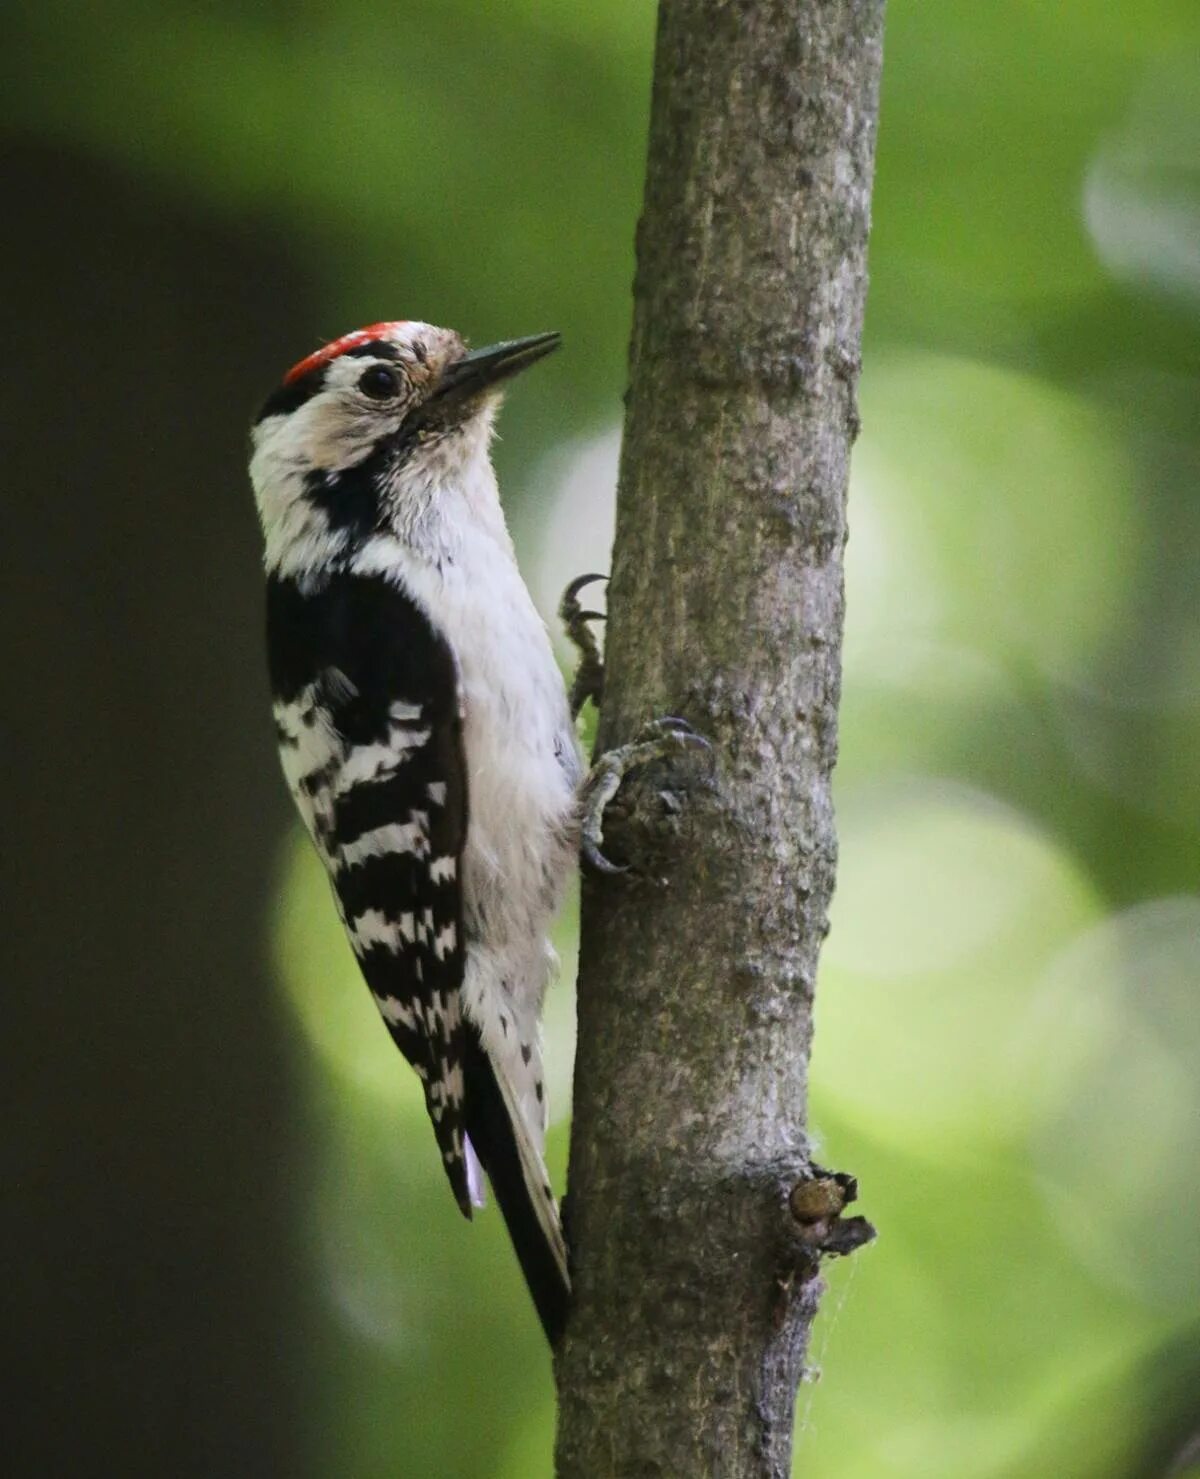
425 734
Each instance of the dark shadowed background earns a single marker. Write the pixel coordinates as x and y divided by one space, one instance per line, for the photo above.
226 1245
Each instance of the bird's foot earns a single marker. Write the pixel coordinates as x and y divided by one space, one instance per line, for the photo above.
589 675
661 739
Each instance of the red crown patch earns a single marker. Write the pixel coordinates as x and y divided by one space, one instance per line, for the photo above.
336 347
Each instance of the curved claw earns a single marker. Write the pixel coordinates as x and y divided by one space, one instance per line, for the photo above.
654 741
566 607
672 729
596 860
672 724
589 676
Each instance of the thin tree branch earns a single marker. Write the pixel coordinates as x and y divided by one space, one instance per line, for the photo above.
695 1216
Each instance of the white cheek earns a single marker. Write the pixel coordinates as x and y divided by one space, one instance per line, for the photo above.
341 430
332 433
295 534
279 451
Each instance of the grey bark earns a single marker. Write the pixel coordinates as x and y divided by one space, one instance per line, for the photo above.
695 1217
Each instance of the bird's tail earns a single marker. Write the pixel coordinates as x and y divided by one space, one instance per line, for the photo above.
501 1137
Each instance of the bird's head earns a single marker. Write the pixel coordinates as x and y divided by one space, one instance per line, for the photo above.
368 431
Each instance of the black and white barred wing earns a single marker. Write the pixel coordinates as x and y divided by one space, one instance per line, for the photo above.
399 826
380 781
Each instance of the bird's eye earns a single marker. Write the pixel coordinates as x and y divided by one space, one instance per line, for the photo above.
379 382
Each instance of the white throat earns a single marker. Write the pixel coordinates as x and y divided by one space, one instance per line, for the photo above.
440 498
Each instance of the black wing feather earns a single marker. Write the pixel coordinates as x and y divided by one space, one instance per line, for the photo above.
357 662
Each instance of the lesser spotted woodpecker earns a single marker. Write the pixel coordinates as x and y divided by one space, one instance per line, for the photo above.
425 734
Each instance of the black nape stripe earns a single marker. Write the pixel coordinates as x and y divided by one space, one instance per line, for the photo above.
290 397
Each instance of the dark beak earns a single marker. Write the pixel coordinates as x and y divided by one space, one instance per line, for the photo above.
484 368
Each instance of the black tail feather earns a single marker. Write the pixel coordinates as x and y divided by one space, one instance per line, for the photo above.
493 1137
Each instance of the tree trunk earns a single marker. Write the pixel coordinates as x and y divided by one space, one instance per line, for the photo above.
695 1217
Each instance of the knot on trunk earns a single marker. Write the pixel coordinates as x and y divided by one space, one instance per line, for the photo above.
816 1204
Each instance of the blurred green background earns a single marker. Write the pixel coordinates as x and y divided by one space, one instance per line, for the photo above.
227 1244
